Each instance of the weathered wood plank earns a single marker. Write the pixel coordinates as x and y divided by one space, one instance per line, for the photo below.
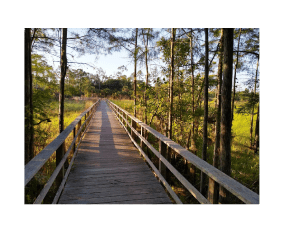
114 193
136 201
100 179
112 190
109 199
108 168
129 185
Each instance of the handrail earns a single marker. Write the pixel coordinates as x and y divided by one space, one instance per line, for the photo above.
236 188
34 165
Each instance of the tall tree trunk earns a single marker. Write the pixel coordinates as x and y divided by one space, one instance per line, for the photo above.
225 139
213 186
257 131
61 151
147 73
171 82
62 80
252 113
193 144
192 80
145 133
31 113
135 63
236 64
204 148
193 147
27 124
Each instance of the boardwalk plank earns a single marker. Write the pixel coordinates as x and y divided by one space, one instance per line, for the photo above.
108 168
110 190
110 199
128 185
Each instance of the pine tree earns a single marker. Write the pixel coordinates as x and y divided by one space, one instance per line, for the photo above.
28 98
173 34
63 64
204 148
135 66
225 138
234 82
213 186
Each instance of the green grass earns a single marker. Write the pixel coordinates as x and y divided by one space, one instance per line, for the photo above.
245 164
125 104
46 132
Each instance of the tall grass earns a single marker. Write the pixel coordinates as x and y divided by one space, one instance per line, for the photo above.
46 132
244 163
125 104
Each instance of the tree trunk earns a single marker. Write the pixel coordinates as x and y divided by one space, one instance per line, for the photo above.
31 145
146 86
213 194
204 148
171 82
27 124
193 147
236 64
257 131
225 138
61 151
192 79
147 74
252 114
62 80
135 63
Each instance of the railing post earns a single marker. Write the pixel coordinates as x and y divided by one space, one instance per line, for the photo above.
59 155
78 127
163 152
85 116
142 145
123 118
133 125
74 135
213 190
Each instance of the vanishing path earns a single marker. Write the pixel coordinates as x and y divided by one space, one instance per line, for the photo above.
108 168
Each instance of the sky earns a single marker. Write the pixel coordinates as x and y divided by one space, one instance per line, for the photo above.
110 63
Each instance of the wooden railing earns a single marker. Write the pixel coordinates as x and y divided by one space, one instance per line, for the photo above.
237 189
57 146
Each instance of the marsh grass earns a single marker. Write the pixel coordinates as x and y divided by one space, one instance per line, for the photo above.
245 164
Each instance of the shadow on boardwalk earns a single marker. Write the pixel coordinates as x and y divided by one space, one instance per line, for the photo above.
108 168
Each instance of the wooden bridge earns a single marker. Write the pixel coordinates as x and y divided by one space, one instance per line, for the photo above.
107 165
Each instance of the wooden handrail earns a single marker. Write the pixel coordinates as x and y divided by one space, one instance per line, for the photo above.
39 160
236 188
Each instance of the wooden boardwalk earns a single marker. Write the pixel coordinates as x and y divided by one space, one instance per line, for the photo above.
108 168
